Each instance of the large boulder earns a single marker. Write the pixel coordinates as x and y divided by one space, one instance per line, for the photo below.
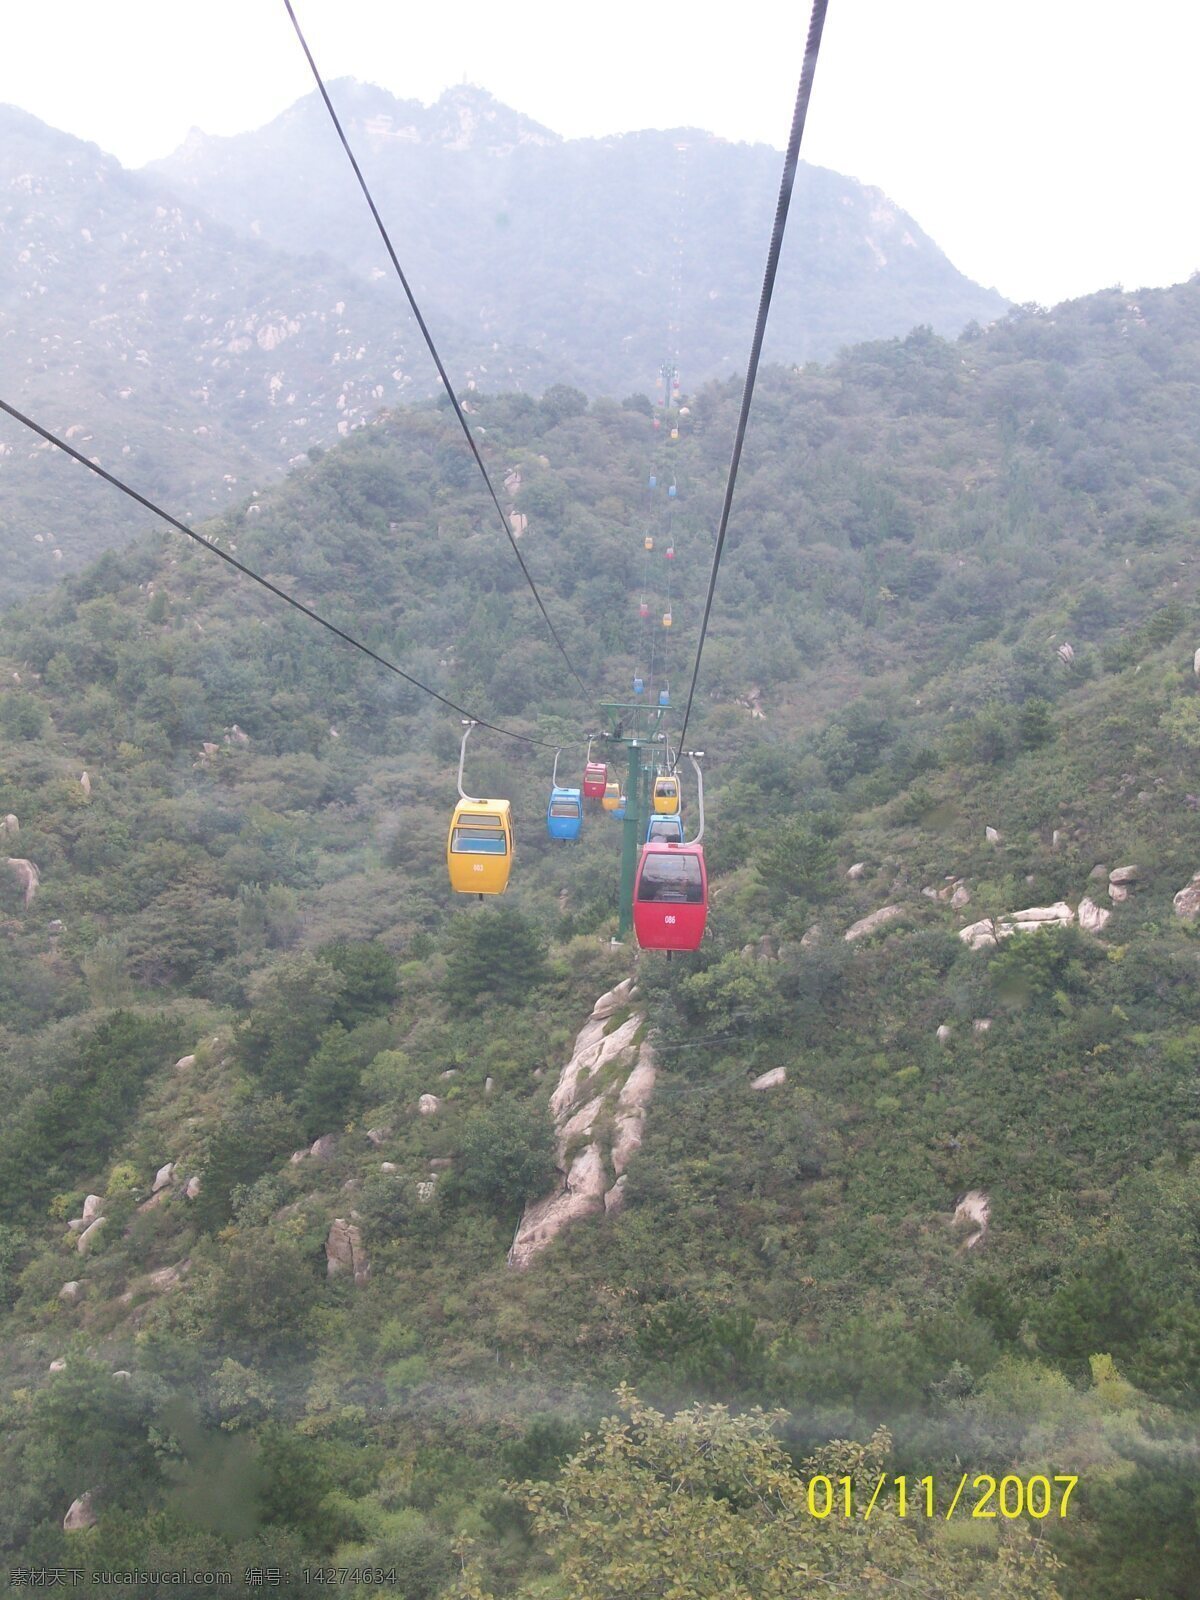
92 1205
1187 901
1059 915
429 1104
89 1235
344 1252
163 1177
876 920
981 935
28 877
973 1210
771 1079
324 1148
71 1293
80 1514
1092 917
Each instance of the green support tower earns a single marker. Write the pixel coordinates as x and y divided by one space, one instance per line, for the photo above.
639 729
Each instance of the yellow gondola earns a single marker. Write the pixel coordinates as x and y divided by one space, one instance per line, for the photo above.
612 795
666 619
648 542
666 796
479 848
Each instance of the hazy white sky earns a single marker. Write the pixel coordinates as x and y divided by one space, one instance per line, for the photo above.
1048 146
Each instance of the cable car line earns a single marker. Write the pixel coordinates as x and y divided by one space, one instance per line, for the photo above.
428 337
257 577
790 162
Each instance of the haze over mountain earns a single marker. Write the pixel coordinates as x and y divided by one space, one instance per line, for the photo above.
580 247
203 323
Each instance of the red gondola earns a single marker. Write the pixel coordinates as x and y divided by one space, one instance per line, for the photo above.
595 776
670 897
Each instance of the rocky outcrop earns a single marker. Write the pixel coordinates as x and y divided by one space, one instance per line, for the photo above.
1187 901
184 1063
1120 880
166 1278
9 827
344 1252
80 1514
1092 917
973 1210
324 1148
858 870
600 1100
992 835
163 1177
771 1079
429 1105
193 1186
89 1235
71 1293
988 931
944 1033
1056 916
876 920
28 877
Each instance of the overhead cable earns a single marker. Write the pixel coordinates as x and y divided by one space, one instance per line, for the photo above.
791 161
428 337
257 577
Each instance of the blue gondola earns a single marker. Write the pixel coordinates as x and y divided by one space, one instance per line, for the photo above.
564 814
639 686
665 830
664 697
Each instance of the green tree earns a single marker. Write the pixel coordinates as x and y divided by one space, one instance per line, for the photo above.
708 1506
494 953
506 1156
1035 726
246 1141
795 859
292 1005
369 979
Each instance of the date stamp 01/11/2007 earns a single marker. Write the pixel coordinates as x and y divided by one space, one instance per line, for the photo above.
982 1496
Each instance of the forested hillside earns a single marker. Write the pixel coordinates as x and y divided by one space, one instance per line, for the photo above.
203 324
950 682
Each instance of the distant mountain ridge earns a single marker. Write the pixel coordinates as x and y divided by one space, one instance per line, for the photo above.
203 323
573 246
